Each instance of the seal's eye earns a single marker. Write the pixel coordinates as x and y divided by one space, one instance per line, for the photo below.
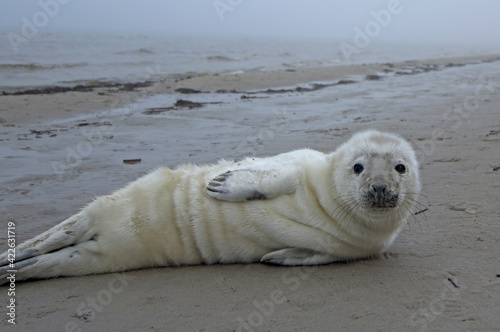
358 168
400 168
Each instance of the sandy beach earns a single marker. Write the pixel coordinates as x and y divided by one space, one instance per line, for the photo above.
60 150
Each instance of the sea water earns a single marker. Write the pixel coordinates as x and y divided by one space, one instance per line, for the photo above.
68 59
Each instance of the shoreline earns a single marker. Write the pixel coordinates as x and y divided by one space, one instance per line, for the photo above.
65 102
266 79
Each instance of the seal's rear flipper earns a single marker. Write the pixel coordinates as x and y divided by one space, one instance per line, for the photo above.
82 258
69 233
20 257
298 256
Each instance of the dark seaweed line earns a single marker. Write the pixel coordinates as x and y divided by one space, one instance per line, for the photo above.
80 88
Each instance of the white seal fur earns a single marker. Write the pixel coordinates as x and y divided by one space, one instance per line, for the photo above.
298 208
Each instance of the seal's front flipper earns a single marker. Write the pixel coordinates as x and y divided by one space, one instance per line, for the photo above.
236 186
260 178
298 256
252 184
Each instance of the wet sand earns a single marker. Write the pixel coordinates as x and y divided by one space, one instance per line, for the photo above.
59 150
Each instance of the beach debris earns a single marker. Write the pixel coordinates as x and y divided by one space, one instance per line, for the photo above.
219 58
453 283
467 208
373 77
413 69
253 97
179 104
96 123
274 91
39 133
187 104
133 86
132 161
345 82
86 316
451 64
227 91
157 110
493 133
470 211
312 87
187 91
50 90
81 88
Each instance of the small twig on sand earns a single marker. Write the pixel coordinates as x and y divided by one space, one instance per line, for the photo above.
421 211
453 283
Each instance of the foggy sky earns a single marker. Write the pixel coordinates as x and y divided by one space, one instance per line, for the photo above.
417 20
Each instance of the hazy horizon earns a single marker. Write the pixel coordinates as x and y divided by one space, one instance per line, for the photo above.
446 21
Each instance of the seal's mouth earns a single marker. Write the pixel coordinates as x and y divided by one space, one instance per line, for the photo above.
380 200
385 203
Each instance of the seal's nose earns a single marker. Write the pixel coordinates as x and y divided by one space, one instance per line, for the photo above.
379 188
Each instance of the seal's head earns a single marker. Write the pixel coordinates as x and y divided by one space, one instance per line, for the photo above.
377 177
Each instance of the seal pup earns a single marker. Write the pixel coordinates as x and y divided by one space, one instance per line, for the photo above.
298 208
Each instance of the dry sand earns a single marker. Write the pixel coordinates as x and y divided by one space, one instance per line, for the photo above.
60 150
